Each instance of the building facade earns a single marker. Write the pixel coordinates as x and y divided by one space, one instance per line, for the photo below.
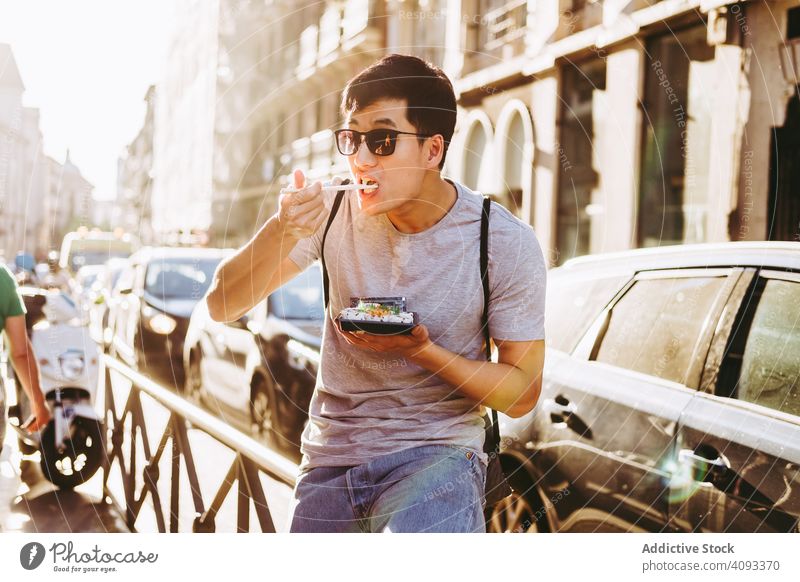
605 124
288 65
40 198
611 125
184 122
23 170
273 74
133 204
67 204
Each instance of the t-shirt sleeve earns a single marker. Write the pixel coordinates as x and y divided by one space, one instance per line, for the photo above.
517 286
10 301
306 251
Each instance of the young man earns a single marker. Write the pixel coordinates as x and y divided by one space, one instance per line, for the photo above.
395 432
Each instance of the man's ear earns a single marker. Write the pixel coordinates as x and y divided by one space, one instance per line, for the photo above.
435 150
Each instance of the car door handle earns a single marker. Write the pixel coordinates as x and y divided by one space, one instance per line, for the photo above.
562 411
558 407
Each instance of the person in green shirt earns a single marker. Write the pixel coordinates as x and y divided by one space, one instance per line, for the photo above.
12 325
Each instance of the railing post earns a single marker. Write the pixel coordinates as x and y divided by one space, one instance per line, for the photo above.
258 497
174 500
243 500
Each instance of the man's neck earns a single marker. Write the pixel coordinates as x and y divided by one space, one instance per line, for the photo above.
434 202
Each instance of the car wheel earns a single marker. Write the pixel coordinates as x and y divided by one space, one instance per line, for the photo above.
514 514
261 408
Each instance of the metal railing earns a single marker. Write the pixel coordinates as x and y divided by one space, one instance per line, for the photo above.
250 461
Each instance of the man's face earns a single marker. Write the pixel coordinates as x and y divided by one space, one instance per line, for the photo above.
399 175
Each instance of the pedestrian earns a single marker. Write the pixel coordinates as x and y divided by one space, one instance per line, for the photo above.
12 325
394 440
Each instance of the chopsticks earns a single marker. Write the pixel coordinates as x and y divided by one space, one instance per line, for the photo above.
335 188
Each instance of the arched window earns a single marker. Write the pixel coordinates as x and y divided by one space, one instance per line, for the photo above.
514 146
476 169
474 149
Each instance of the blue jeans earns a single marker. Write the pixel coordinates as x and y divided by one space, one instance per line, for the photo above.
433 488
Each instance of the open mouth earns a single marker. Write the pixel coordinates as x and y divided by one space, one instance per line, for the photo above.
371 186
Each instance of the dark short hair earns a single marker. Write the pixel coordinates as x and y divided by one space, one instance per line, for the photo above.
429 95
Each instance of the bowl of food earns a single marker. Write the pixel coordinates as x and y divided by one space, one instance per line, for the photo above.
378 315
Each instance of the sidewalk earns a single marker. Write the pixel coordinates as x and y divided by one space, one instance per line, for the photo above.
31 504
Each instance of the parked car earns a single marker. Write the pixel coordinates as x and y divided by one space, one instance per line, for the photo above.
671 396
103 299
82 287
153 301
260 370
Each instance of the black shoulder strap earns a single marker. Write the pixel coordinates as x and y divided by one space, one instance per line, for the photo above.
487 205
334 209
492 441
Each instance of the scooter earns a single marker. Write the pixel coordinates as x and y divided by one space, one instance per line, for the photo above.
72 445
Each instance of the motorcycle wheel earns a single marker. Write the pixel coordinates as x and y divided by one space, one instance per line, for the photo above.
80 457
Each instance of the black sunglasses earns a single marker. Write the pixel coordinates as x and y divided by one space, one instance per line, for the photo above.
380 142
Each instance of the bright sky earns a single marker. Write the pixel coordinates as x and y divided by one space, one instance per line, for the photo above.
86 65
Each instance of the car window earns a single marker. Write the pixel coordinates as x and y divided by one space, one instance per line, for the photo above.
97 257
770 361
300 298
654 326
572 304
184 278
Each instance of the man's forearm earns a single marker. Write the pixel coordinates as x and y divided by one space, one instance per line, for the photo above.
503 387
25 366
241 280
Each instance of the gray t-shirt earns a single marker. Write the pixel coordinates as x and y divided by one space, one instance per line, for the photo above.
368 404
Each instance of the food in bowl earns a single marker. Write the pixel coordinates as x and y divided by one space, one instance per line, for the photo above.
378 315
